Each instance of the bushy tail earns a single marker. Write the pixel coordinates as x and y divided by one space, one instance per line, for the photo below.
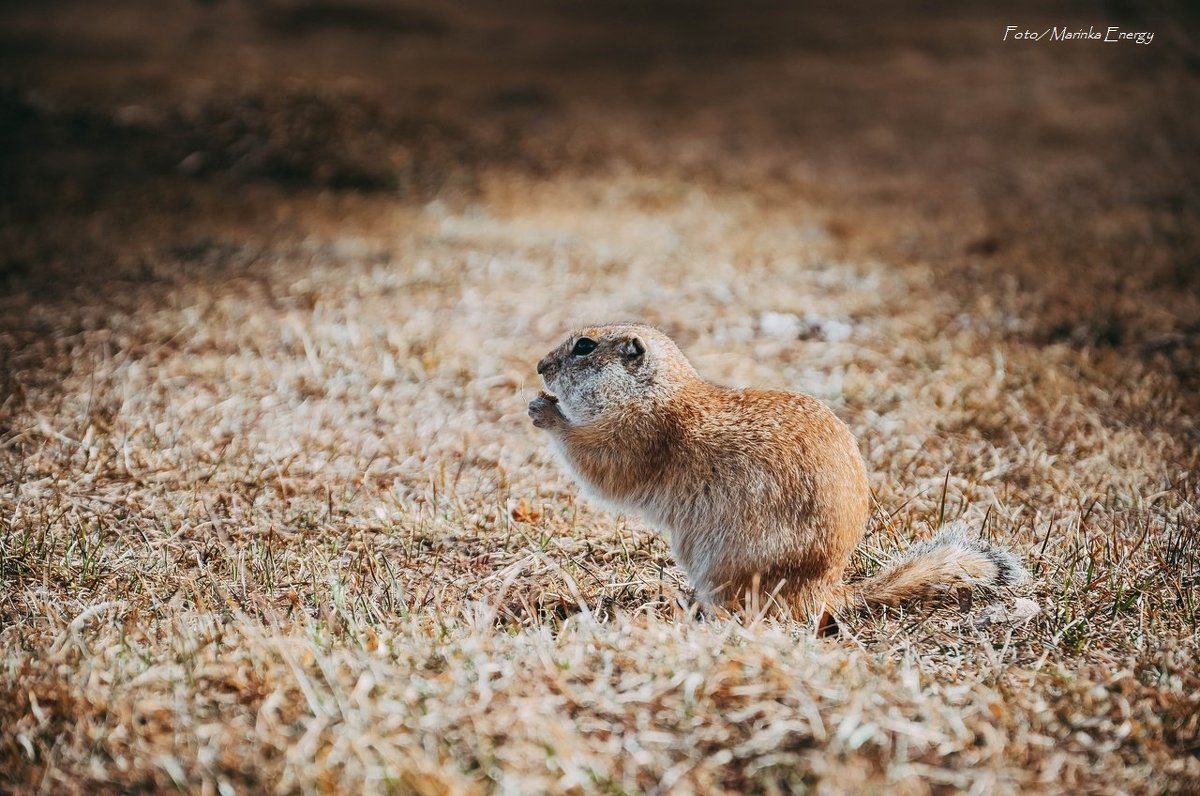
949 560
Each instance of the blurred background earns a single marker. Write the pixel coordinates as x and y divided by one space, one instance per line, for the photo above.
1033 167
1046 189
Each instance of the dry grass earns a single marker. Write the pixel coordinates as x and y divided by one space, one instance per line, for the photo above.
272 517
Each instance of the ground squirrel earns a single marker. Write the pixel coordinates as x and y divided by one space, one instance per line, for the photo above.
764 493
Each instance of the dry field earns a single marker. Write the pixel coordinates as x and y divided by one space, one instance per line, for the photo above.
273 280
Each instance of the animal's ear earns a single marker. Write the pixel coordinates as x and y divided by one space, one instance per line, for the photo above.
631 348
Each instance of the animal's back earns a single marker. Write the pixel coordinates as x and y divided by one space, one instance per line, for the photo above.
772 476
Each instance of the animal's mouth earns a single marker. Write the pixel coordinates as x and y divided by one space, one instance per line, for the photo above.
549 396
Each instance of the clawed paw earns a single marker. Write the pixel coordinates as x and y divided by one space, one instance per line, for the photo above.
543 411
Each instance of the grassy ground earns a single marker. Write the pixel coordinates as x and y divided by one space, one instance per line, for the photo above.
272 517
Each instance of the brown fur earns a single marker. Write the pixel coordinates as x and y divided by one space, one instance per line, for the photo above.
764 493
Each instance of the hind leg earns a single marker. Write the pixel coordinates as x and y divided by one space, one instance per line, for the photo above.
795 599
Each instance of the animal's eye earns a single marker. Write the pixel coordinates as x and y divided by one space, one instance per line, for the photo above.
584 346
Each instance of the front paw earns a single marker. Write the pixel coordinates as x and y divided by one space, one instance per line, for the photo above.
544 412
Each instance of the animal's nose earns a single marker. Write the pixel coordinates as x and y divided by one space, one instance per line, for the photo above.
544 366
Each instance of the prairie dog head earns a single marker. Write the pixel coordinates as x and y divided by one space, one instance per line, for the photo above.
603 371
